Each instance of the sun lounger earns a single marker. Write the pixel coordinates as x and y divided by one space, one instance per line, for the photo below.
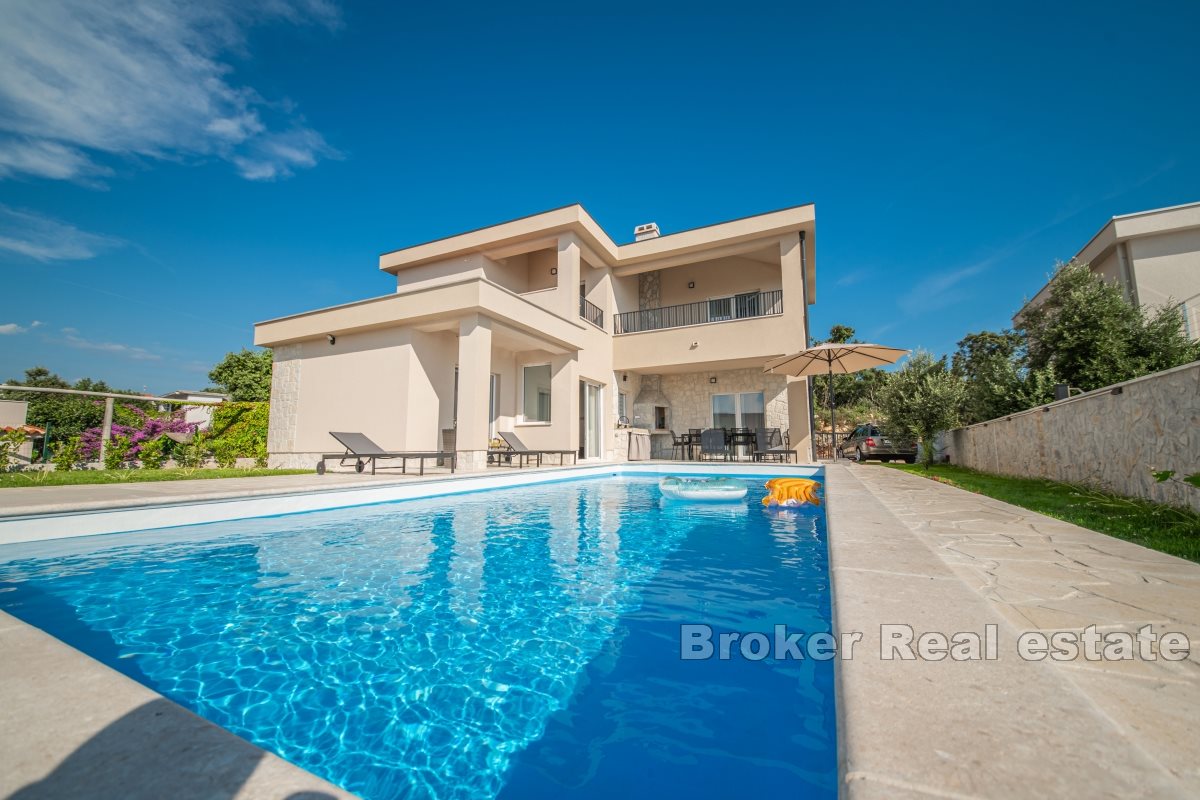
524 453
363 450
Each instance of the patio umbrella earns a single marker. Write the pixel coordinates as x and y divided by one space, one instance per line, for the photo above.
834 357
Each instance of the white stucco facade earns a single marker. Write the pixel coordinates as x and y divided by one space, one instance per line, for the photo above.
539 326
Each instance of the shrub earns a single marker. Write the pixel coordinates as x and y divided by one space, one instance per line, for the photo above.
224 453
153 453
239 430
10 445
923 399
117 452
138 426
192 454
68 454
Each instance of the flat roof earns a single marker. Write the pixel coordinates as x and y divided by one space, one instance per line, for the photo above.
601 247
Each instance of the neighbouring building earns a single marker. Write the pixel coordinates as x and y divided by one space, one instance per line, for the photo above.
546 327
201 415
1154 256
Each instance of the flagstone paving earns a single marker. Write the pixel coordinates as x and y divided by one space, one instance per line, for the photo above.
905 549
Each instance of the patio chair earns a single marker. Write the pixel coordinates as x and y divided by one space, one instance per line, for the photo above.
524 453
679 442
713 443
363 450
769 445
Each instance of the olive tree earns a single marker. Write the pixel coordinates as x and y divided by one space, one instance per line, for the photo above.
922 399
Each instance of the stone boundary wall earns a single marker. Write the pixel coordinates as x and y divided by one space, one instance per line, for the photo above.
1110 438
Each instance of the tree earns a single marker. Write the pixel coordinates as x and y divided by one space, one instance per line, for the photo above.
856 394
997 380
245 376
922 399
64 415
1091 337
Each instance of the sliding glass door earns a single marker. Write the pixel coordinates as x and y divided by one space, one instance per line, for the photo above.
744 410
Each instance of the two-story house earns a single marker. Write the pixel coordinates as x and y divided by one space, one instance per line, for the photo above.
545 326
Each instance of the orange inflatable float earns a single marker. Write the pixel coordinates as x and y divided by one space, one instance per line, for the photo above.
791 492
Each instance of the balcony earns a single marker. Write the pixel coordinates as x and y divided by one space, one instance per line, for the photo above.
591 312
719 309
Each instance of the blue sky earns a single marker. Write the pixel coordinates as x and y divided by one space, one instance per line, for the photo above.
170 175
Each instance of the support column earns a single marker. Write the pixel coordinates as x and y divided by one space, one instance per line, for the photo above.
795 312
564 400
569 272
799 419
474 370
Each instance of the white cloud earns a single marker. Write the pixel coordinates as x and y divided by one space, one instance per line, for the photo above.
48 239
37 323
71 338
851 278
940 290
80 78
11 328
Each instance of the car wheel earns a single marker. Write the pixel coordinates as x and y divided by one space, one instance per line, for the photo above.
910 459
858 456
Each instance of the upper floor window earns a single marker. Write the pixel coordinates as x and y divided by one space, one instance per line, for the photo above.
535 383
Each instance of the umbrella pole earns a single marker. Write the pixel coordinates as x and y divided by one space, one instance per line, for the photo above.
832 419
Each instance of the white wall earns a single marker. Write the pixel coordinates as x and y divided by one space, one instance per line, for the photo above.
1166 266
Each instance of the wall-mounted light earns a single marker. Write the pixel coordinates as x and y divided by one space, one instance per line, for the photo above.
625 377
691 284
331 338
554 270
712 379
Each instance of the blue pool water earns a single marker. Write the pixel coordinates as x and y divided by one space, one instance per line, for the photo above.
516 643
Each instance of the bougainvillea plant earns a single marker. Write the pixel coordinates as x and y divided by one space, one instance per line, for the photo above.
140 428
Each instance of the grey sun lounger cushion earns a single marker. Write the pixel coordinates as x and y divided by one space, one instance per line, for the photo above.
517 445
364 451
358 444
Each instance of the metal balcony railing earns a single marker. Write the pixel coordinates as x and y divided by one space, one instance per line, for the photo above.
591 312
720 309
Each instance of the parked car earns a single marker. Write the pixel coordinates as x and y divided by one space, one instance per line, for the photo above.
867 441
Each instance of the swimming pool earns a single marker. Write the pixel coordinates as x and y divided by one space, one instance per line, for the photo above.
518 642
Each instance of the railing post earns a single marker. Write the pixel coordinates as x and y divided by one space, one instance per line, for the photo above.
106 431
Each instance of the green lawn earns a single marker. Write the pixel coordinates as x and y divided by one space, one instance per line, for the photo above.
10 480
1169 530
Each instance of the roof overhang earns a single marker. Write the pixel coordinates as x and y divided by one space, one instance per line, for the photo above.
432 309
543 230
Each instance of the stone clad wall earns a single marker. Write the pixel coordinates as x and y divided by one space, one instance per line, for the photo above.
285 397
1111 441
690 395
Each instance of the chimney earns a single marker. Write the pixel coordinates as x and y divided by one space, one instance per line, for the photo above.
647 231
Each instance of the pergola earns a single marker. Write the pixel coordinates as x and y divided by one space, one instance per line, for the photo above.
109 397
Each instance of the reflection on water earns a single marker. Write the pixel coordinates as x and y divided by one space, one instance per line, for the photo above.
410 650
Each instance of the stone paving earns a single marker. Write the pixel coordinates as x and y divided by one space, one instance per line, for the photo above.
905 549
72 727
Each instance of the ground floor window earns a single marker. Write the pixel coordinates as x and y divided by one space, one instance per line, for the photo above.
744 410
535 383
622 405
